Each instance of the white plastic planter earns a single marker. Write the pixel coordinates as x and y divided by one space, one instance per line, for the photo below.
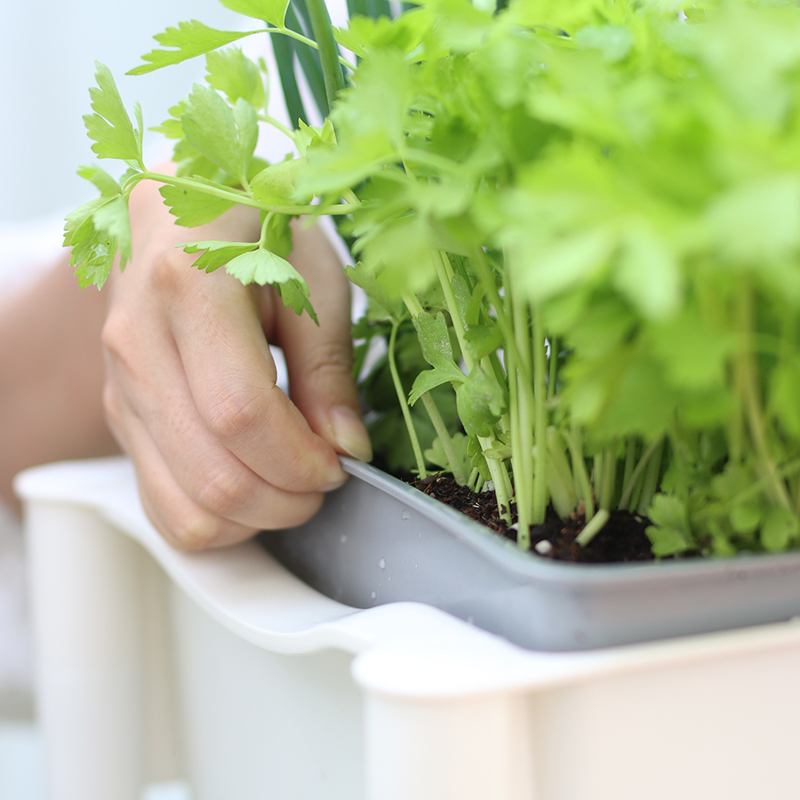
224 669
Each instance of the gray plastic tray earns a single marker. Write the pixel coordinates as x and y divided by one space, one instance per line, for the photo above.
377 540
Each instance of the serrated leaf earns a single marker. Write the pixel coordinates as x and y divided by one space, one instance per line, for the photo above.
262 267
431 378
188 40
483 340
224 135
271 11
480 403
191 207
434 338
295 296
277 184
236 76
215 254
110 127
96 232
671 534
107 185
436 454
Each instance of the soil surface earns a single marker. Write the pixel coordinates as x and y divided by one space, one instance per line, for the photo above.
621 539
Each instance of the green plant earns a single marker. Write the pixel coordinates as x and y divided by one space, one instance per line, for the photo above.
587 213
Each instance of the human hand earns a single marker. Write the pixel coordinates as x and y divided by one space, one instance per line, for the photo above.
220 451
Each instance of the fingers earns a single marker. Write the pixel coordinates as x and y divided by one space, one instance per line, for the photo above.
231 378
319 358
196 492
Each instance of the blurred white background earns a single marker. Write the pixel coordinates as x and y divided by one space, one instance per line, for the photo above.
47 55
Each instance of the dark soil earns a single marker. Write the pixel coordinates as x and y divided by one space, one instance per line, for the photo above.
623 537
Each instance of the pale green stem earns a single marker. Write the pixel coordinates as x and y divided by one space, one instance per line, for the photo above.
401 396
630 463
650 482
592 527
276 124
627 488
444 438
579 470
553 375
752 404
305 40
609 476
539 420
237 196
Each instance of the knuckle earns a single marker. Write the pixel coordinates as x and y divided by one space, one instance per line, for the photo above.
223 494
169 272
328 359
234 413
115 334
197 532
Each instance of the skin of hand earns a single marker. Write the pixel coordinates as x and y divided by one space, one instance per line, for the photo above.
51 365
220 450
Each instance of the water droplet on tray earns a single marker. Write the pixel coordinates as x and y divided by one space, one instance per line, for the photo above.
343 538
382 563
374 595
406 514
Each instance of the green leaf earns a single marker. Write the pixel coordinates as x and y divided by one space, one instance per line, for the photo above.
110 127
279 238
192 207
226 136
480 403
431 378
648 273
215 254
670 535
365 279
236 76
188 40
694 354
277 184
483 340
434 338
271 11
784 396
262 267
437 456
780 528
758 222
613 41
295 296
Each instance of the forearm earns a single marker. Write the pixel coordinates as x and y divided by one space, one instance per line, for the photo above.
51 376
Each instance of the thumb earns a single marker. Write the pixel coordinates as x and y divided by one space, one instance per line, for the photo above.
319 359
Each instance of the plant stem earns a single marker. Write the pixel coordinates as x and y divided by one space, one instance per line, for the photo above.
592 527
401 396
551 379
539 420
579 470
444 438
627 489
748 382
238 196
328 49
650 482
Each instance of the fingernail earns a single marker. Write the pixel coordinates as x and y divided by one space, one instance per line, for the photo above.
329 487
350 434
